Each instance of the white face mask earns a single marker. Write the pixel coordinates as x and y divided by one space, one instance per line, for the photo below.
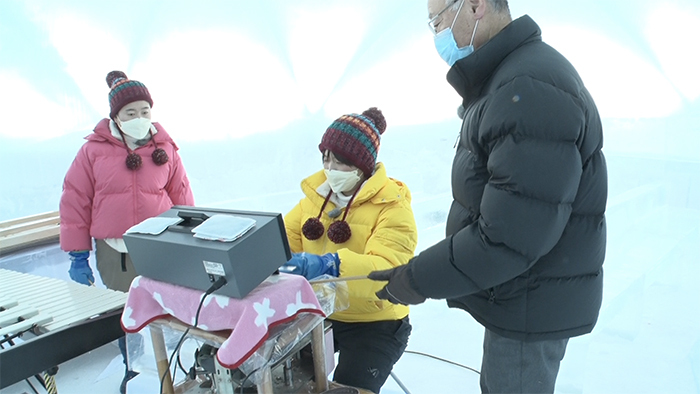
137 128
342 181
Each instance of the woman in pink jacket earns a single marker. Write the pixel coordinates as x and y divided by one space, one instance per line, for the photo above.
127 171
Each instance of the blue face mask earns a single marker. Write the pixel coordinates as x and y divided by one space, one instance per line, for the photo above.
447 46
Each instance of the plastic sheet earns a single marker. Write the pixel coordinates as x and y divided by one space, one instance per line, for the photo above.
333 297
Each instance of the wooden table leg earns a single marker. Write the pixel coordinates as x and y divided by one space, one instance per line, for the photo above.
318 349
161 355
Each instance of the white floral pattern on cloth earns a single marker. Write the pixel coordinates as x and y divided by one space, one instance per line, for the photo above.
264 312
277 300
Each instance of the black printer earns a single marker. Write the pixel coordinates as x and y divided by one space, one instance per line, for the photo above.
176 256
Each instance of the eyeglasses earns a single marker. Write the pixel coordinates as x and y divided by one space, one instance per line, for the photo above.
432 25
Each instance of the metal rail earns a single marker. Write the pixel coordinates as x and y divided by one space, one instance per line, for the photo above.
66 319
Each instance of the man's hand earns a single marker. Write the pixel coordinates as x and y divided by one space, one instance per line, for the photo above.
401 288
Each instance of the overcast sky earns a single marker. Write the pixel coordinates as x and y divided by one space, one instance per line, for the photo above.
232 68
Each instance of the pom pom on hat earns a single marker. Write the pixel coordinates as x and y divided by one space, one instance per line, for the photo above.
356 137
124 91
113 76
377 117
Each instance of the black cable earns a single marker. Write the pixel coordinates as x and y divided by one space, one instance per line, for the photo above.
443 360
249 375
32 386
179 363
172 355
405 389
214 287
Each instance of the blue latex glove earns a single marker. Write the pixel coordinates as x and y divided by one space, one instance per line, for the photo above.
80 270
312 265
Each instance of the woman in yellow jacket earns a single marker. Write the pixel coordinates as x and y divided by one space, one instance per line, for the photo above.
354 219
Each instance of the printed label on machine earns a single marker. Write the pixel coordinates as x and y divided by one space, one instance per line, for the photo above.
214 268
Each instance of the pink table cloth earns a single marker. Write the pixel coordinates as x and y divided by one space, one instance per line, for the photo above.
277 300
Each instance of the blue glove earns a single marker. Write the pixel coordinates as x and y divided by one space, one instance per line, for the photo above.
80 270
312 265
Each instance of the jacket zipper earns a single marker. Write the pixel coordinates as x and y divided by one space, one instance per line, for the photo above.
135 206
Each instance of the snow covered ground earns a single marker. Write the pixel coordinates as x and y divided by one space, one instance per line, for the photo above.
648 336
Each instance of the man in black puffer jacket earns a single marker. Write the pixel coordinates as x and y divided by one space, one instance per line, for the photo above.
526 231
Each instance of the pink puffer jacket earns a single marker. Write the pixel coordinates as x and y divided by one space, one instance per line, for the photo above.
102 198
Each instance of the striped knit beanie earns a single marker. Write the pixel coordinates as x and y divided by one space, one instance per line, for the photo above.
356 138
124 91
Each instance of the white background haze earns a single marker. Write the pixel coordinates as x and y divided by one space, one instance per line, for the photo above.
246 89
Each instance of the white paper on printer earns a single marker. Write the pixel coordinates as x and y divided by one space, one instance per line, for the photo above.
154 225
222 227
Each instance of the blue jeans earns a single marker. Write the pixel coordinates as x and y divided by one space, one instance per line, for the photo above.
512 366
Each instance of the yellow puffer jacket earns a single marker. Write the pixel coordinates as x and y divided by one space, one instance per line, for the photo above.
384 235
